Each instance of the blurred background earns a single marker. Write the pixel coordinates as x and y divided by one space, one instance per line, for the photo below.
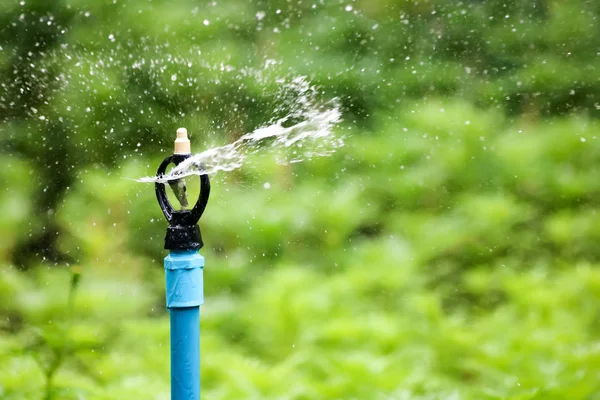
447 251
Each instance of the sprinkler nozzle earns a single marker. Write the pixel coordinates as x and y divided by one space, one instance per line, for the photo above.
183 232
182 147
182 143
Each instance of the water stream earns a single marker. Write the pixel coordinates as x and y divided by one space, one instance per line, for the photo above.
306 131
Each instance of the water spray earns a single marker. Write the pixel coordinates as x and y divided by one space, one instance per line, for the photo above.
184 271
306 131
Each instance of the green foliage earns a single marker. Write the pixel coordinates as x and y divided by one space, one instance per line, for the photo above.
437 259
447 251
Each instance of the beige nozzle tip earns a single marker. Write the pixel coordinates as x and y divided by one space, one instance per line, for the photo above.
182 143
181 133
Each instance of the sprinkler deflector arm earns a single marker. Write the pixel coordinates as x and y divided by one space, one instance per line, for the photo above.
184 272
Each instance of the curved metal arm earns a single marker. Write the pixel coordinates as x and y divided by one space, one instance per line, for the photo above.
184 217
161 193
200 205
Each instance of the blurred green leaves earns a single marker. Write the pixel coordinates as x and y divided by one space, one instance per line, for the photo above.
436 259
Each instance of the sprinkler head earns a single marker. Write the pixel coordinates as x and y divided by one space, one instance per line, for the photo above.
183 232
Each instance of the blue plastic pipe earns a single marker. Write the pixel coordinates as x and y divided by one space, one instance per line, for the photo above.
185 293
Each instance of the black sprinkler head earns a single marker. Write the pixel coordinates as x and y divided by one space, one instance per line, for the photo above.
183 232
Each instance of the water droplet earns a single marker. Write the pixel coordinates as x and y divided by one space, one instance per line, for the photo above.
267 185
206 22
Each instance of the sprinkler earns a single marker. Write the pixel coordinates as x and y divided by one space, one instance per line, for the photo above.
184 270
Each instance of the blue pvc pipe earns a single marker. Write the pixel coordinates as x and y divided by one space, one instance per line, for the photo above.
184 272
185 353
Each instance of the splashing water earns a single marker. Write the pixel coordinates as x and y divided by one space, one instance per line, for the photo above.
305 132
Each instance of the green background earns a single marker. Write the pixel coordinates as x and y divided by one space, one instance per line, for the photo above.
447 251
